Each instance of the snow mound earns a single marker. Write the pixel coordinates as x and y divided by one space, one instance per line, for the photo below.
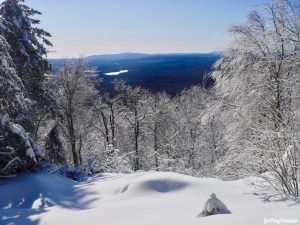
153 183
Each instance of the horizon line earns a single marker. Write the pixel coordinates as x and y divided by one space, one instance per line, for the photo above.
142 53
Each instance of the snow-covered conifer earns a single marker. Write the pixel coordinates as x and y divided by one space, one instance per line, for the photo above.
11 88
54 147
27 44
17 149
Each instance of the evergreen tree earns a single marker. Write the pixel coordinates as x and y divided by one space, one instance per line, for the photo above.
17 149
11 87
27 45
28 51
54 146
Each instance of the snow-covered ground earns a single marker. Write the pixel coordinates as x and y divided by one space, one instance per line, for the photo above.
142 198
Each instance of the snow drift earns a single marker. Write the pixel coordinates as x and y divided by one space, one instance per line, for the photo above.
142 198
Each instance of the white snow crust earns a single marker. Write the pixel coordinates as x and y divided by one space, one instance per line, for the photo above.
141 198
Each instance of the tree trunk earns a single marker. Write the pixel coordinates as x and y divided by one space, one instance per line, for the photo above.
136 165
156 146
112 124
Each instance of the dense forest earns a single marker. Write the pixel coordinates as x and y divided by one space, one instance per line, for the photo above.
246 124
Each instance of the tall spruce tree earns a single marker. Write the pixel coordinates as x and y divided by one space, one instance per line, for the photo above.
27 45
11 87
28 51
17 149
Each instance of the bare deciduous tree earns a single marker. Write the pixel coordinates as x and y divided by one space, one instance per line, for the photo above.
74 92
258 81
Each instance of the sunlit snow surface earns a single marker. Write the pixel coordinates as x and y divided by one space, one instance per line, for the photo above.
142 198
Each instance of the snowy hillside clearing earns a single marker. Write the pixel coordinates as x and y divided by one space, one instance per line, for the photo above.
143 198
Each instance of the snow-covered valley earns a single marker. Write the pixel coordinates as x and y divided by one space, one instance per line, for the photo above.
142 198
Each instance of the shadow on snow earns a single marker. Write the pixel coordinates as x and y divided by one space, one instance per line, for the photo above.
29 195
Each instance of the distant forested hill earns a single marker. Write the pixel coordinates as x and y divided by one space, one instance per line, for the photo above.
156 72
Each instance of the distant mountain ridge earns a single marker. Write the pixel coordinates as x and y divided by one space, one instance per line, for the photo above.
134 55
119 56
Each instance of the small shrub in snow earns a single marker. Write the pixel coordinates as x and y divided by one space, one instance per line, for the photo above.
213 206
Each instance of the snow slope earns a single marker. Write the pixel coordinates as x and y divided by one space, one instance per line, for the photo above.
143 198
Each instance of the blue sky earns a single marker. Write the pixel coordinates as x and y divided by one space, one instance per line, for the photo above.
86 27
